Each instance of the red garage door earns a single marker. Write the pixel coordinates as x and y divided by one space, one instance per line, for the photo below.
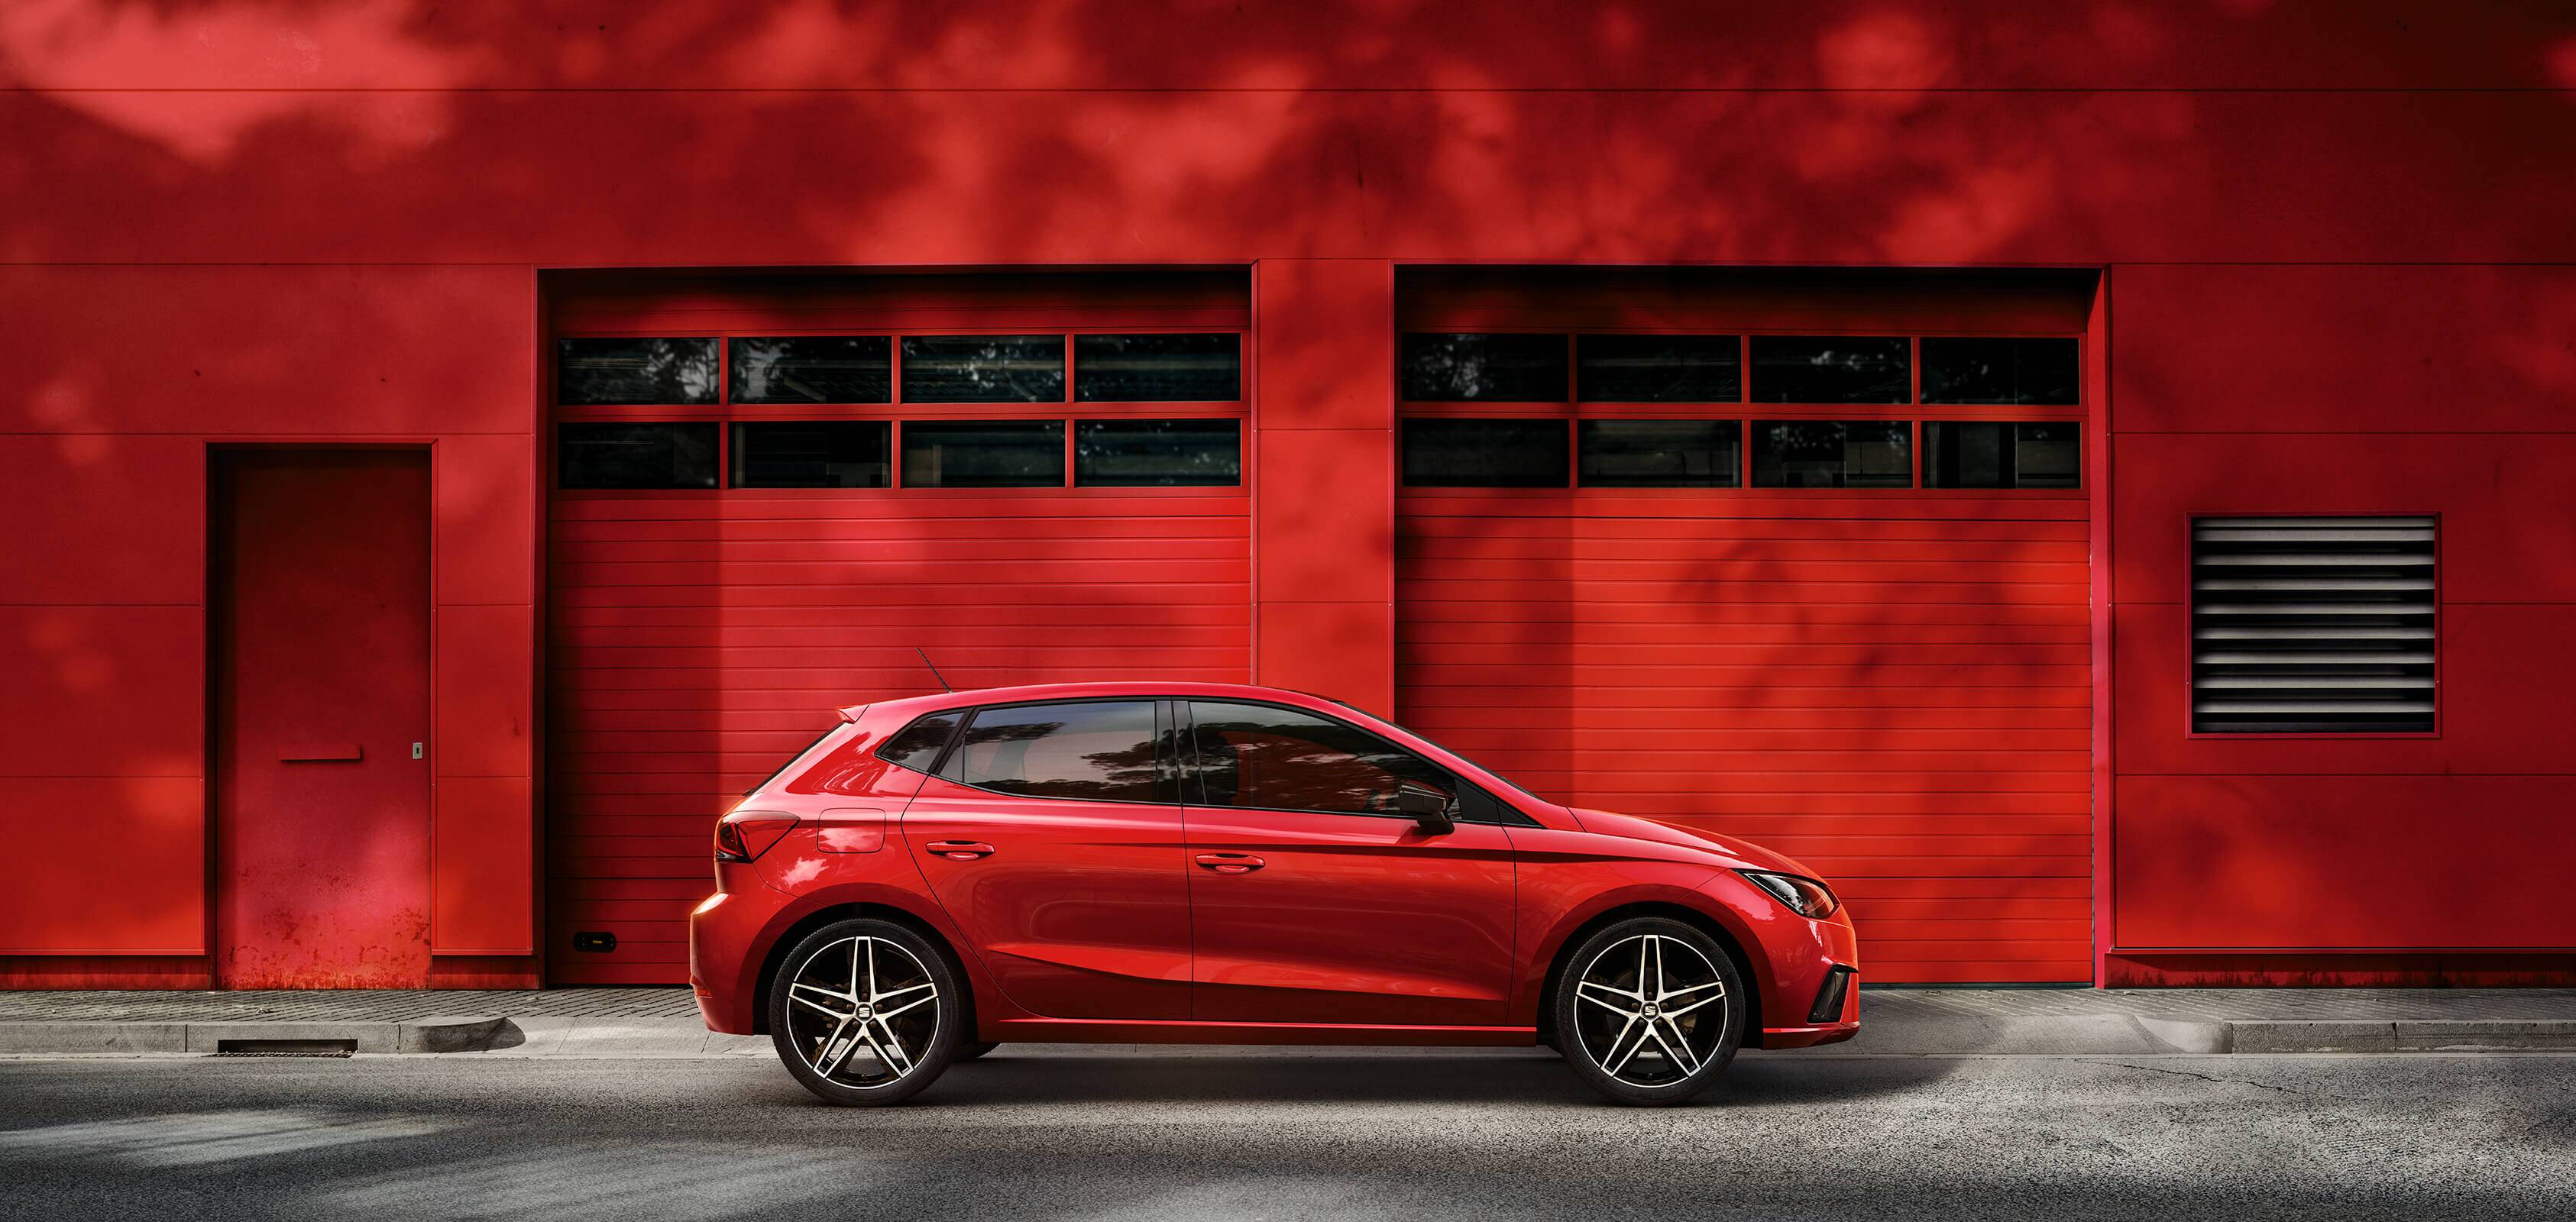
770 495
1804 565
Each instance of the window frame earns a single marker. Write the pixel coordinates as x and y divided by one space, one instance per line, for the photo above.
1745 410
1068 411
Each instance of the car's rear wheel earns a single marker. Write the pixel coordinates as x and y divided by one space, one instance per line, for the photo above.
1650 1011
866 1013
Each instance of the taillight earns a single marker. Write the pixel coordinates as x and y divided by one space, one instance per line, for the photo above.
746 834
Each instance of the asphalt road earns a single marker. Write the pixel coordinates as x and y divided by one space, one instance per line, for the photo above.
1058 1134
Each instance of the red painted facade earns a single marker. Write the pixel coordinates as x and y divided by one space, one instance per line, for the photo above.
2324 266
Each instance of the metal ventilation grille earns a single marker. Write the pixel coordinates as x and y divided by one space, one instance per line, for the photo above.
2312 625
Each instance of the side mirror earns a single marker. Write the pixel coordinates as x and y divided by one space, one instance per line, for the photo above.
1429 807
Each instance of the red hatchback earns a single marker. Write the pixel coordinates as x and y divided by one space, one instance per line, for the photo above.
1204 863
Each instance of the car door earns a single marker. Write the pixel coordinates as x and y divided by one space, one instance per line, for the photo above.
1313 901
1051 833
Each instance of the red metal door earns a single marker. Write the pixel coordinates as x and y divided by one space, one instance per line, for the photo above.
1348 919
319 644
1078 908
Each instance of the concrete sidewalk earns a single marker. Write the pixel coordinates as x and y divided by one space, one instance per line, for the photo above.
1894 1022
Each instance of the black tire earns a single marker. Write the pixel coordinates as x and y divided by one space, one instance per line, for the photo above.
882 957
973 1052
1672 1058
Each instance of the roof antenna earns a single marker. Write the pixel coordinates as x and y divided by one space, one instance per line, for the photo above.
934 669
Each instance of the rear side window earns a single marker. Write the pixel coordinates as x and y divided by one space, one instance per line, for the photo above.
1098 750
917 746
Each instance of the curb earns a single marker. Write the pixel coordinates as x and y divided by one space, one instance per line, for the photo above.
439 1033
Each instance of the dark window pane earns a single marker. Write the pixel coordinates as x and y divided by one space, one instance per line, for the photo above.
1157 368
813 369
1833 454
917 746
1658 368
1830 369
1496 368
1101 750
1659 453
812 454
983 368
635 371
1484 453
635 455
1141 453
1256 756
2003 454
983 454
1999 371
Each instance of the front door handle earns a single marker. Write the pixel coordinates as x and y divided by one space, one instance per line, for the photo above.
961 850
1230 863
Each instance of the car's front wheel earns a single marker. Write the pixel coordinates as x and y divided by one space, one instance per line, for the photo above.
866 1013
1650 1011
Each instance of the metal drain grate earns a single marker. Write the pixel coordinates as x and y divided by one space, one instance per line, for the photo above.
285 1048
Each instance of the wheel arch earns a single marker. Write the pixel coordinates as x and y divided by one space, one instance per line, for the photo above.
775 957
1726 939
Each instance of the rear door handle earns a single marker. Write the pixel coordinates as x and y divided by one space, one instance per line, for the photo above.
1230 863
961 850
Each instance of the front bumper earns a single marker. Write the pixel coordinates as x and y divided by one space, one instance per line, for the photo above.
1804 968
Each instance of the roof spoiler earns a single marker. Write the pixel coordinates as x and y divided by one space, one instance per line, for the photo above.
851 713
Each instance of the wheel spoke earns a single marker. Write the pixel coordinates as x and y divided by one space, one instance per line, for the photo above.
1645 973
870 945
819 1007
917 1002
1631 1015
1688 989
890 1050
1587 987
1678 1011
1613 1067
891 994
832 1061
1679 1055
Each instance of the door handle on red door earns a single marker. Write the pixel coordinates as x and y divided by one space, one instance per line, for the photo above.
961 850
1230 863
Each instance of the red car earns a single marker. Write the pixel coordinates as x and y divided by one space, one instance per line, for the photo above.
1205 863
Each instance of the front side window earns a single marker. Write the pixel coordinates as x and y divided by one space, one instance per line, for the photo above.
1256 756
1099 750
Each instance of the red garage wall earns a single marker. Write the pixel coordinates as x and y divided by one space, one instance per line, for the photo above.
2332 232
127 376
2398 389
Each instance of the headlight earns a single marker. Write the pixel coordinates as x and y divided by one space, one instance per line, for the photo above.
1804 896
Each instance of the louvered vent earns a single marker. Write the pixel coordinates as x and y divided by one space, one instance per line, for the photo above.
2312 625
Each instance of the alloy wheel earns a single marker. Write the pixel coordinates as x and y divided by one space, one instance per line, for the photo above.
863 1012
1650 1010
